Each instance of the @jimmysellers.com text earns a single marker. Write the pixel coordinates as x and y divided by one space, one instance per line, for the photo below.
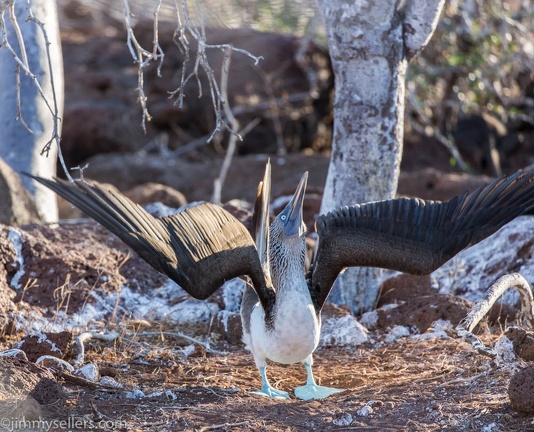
12 424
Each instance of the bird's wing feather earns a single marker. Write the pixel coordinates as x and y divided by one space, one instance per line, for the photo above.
199 248
260 217
413 235
260 230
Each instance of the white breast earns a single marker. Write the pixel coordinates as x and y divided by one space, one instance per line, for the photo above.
296 329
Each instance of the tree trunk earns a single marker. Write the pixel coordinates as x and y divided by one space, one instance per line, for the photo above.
19 147
370 45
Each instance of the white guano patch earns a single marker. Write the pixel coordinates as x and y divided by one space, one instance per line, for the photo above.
232 291
16 239
155 305
439 329
344 331
369 319
224 316
474 270
396 333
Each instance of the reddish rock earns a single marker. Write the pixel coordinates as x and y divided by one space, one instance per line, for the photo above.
67 262
18 377
52 344
521 390
404 287
28 391
154 192
416 292
523 341
228 326
429 183
422 311
51 397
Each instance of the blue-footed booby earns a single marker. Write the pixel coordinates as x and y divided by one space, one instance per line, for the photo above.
203 246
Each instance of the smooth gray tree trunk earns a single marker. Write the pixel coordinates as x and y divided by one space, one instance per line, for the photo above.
20 148
370 46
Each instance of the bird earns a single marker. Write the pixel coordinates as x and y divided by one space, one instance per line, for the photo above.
203 246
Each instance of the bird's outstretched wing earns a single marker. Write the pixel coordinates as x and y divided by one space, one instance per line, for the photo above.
199 248
260 230
412 235
260 217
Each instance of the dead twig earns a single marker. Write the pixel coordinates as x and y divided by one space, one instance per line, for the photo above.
22 63
224 425
219 181
462 380
182 336
78 380
14 352
142 56
219 99
58 361
186 26
84 337
513 280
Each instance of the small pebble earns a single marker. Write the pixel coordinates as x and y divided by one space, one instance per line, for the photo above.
365 411
110 382
344 419
90 372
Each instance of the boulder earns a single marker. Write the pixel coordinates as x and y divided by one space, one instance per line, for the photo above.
521 390
155 192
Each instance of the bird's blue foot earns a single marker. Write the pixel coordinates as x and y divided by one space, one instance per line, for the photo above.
271 392
314 391
267 389
311 390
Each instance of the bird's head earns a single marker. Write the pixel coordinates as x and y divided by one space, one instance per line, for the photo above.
287 246
289 224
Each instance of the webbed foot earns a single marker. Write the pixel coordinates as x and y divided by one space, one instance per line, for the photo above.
314 391
267 389
271 392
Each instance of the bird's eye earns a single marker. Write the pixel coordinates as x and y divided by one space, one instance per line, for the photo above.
283 217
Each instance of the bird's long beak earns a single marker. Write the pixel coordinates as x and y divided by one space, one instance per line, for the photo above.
294 225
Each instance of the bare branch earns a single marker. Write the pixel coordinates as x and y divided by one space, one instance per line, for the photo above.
84 337
55 109
20 63
14 352
186 27
182 336
224 426
201 62
142 56
514 280
449 144
19 108
20 39
23 64
420 20
219 181
57 361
